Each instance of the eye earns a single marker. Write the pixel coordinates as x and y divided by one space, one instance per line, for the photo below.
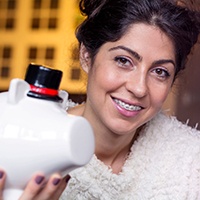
123 62
161 73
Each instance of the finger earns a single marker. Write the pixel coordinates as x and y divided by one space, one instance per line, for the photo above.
67 178
33 187
53 188
62 186
2 182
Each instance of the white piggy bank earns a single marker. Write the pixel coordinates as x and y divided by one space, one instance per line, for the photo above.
37 134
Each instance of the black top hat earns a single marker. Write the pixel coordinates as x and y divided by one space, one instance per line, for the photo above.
44 82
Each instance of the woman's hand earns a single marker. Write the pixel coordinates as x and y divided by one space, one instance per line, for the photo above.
2 181
38 188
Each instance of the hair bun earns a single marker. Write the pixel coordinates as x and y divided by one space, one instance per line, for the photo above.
91 7
194 7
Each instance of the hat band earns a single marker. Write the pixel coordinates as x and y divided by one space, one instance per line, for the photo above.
45 91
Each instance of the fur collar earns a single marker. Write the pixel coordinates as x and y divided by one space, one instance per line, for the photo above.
164 164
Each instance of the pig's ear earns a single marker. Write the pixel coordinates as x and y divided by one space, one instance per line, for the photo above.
17 90
64 95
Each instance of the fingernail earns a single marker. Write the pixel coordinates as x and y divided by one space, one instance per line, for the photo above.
67 178
56 181
1 174
39 179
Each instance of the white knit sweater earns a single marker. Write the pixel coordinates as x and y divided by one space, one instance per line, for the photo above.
164 164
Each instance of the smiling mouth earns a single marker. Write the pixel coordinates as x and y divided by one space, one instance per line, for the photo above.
127 106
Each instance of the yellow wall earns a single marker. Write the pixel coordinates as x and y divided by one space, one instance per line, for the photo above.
62 38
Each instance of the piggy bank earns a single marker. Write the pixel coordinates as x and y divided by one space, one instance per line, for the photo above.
36 132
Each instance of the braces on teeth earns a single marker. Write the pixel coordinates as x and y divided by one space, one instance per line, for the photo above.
127 106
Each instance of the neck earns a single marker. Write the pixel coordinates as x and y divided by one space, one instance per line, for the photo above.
110 148
113 151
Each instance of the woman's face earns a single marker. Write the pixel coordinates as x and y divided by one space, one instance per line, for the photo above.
130 79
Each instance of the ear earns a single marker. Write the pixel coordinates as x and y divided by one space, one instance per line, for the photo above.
85 59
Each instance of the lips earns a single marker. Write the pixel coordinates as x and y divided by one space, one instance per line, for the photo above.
126 106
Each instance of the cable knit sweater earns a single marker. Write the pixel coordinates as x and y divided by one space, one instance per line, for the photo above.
164 164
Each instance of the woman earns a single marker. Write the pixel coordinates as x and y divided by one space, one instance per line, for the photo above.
132 52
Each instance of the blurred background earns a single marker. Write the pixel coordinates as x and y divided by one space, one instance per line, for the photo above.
43 32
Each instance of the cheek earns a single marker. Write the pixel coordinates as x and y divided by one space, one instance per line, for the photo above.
159 93
106 79
99 82
159 97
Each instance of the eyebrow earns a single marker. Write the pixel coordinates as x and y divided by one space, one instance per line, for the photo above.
139 58
133 53
163 61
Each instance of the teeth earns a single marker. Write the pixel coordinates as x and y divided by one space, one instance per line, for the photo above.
127 106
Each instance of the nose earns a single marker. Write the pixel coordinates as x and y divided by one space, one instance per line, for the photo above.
137 85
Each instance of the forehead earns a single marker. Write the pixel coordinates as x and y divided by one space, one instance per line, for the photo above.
146 39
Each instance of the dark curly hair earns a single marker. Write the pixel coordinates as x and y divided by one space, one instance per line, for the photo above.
109 20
